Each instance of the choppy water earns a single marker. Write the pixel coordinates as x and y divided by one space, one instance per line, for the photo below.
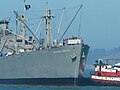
8 87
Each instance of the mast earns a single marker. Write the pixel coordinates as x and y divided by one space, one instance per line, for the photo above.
24 8
23 29
16 24
23 18
48 19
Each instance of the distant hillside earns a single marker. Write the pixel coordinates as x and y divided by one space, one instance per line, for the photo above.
95 54
103 54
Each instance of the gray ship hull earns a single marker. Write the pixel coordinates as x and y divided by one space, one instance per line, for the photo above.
61 65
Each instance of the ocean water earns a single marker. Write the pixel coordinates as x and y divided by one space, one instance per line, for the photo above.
15 87
86 74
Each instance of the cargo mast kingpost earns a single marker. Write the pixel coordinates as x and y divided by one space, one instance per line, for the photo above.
48 19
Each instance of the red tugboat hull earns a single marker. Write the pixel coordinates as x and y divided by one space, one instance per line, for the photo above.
105 74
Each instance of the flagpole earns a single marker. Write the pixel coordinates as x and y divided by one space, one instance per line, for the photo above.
24 9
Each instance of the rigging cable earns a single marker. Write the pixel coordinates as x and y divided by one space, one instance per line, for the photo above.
80 23
27 27
70 23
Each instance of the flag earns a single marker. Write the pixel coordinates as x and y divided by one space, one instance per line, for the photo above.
27 7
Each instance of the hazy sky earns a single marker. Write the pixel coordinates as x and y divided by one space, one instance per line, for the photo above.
100 26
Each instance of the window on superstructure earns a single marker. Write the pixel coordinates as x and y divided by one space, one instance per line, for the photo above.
1 31
19 40
6 27
6 32
27 43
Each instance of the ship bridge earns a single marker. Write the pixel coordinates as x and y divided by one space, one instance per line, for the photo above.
72 41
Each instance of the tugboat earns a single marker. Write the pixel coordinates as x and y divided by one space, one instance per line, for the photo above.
106 74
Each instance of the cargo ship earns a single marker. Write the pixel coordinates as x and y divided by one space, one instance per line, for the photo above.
106 74
28 60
